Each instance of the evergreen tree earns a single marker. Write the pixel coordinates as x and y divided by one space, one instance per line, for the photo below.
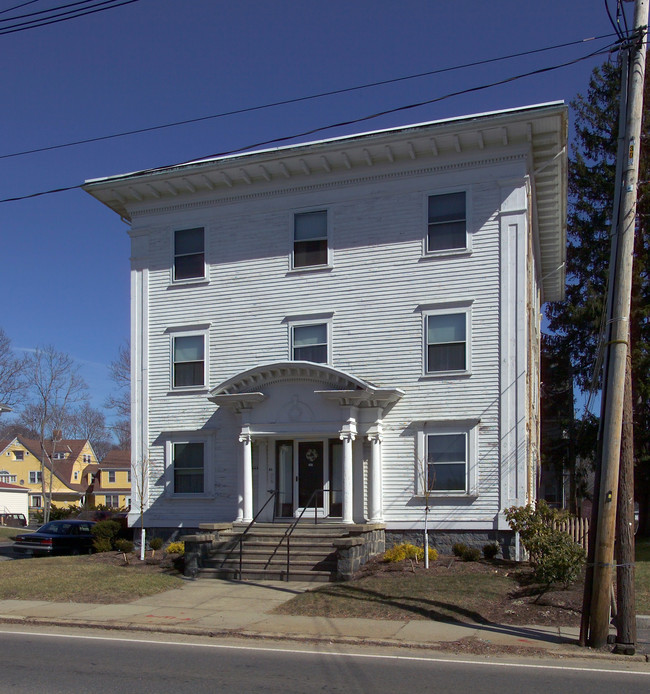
576 322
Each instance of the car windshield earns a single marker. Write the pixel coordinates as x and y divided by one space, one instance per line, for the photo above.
55 528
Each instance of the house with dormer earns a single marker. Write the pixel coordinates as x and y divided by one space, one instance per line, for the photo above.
350 325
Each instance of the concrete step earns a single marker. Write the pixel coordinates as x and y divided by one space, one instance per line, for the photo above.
232 573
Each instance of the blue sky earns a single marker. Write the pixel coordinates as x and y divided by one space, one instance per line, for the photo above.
66 258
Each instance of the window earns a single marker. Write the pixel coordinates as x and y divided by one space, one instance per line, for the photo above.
447 455
76 475
19 455
446 342
309 343
188 361
310 239
188 467
111 476
60 456
189 254
113 500
36 501
447 230
447 462
128 479
35 476
6 477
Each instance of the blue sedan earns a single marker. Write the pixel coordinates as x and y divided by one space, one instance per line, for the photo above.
57 537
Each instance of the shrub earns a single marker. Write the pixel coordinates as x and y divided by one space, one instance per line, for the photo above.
155 543
175 548
124 546
471 554
105 534
554 556
491 550
102 544
459 548
406 550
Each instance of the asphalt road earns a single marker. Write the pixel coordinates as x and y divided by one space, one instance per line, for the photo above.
62 662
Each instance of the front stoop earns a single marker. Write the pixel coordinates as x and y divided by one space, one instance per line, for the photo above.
323 552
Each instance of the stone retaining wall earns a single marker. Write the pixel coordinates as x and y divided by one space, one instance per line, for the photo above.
443 541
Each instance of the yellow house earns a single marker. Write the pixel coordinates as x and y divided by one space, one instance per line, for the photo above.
112 481
20 463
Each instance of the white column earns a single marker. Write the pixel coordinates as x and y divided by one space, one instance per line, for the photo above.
348 434
375 511
245 508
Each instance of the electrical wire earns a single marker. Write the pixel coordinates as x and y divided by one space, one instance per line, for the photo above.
311 131
285 102
47 21
48 10
17 7
612 22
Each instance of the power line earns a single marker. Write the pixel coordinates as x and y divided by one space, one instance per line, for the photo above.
17 7
46 11
353 121
24 26
295 100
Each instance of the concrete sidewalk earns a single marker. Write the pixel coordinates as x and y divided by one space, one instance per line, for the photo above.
230 608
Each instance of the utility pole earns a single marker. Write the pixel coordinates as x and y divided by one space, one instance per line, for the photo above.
617 347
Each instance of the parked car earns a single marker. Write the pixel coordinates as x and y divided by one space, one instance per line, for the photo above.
13 520
57 537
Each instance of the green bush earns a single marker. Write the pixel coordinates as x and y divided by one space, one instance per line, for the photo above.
102 544
554 556
491 550
105 534
124 546
175 548
459 548
471 554
155 543
406 550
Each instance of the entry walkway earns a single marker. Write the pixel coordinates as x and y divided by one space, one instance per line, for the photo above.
225 608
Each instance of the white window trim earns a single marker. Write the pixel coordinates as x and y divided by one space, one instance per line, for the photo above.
311 268
38 478
469 427
189 280
208 455
189 332
441 309
314 320
426 253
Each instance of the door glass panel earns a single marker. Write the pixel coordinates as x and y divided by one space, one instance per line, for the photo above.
284 477
310 471
336 478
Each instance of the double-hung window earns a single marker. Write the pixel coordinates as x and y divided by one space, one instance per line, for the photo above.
446 342
447 462
188 467
447 222
188 361
111 476
35 476
189 254
310 239
309 343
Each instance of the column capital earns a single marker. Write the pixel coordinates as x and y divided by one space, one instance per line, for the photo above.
349 430
376 434
245 436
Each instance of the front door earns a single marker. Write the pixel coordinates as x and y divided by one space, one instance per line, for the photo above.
310 473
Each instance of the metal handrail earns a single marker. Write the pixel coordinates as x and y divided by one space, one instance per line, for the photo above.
272 494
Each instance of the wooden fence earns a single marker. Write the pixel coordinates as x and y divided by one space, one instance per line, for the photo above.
577 528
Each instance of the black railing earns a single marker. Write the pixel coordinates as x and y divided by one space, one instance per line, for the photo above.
272 494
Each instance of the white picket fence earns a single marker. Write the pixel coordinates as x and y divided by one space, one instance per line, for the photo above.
577 529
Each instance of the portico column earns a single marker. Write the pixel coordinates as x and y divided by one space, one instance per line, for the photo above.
245 510
348 434
375 511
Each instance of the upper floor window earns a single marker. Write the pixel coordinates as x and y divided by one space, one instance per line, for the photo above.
310 239
189 254
111 475
447 219
19 455
188 467
446 342
188 361
35 476
76 475
60 456
309 343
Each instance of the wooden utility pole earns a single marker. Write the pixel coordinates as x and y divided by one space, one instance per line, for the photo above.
617 347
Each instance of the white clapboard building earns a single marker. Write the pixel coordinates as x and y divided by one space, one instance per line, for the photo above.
351 324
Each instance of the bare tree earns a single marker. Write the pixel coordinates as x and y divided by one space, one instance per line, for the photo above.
12 372
56 387
140 493
120 400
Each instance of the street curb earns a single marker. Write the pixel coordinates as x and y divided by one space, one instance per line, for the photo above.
571 650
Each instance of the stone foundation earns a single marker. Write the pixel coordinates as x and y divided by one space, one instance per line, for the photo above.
364 542
444 540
